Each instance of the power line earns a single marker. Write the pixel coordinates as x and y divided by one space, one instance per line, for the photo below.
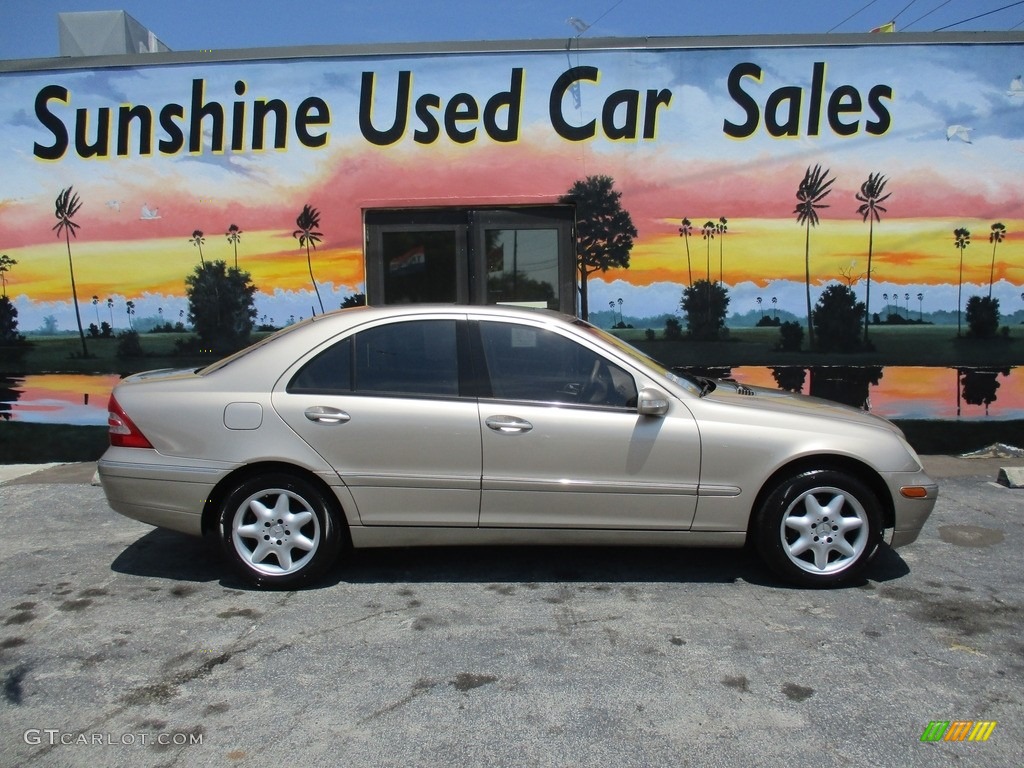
872 2
933 10
980 15
904 8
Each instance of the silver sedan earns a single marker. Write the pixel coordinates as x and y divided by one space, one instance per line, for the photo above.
411 426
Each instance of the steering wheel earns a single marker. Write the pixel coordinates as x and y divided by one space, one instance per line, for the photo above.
598 385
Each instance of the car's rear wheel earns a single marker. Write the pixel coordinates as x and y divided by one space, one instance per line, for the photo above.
279 530
820 528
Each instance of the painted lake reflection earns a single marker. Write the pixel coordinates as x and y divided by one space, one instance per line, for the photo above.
56 398
891 391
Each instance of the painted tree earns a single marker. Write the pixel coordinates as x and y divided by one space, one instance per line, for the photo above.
6 262
221 306
110 309
720 230
129 309
684 232
65 207
307 222
814 188
708 233
12 343
705 304
871 198
838 316
234 235
96 308
197 240
604 230
961 239
995 237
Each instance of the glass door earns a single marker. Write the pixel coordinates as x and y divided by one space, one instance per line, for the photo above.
519 256
525 257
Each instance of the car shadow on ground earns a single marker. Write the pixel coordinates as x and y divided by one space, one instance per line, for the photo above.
162 554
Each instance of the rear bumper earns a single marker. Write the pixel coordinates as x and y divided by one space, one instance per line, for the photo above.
159 490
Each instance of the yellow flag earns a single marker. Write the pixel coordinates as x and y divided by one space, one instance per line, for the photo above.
890 27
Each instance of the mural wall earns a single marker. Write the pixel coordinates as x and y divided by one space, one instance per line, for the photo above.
177 162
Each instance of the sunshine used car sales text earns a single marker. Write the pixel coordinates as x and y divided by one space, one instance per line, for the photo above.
778 109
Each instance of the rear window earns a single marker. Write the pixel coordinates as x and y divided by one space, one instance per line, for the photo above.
417 358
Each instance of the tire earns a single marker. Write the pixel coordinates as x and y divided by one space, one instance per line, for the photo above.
280 530
819 529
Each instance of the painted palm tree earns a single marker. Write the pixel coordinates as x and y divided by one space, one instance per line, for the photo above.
759 300
814 188
720 230
197 240
775 303
708 233
129 308
684 232
110 309
619 302
871 198
307 223
65 207
995 237
920 307
234 235
6 262
961 239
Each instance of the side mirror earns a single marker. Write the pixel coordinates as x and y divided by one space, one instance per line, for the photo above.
652 402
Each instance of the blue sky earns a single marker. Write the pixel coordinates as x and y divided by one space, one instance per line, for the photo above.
29 29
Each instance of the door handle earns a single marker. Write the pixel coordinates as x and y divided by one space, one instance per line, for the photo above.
508 424
323 414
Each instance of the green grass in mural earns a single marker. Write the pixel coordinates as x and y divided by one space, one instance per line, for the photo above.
63 354
26 443
959 437
905 345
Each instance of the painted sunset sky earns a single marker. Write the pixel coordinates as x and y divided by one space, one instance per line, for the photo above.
952 148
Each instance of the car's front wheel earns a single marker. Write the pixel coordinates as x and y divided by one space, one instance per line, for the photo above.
820 528
279 530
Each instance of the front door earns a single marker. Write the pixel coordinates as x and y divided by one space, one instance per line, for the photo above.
564 446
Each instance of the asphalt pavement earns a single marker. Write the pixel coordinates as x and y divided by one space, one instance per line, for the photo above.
122 645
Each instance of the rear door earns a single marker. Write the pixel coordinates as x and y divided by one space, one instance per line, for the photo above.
384 406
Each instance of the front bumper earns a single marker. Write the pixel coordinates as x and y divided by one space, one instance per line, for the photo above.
910 513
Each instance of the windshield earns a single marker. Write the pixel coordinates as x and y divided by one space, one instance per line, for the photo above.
687 382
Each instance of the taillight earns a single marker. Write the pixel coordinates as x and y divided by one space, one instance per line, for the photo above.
123 432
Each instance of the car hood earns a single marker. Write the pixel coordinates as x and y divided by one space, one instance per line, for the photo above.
736 394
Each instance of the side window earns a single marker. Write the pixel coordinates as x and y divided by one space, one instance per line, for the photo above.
526 363
330 372
411 358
